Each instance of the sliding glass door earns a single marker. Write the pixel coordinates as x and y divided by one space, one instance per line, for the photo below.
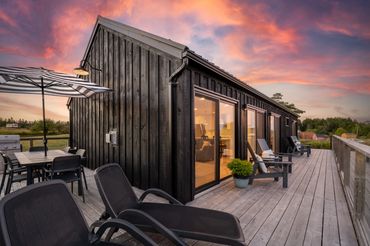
214 127
205 141
252 131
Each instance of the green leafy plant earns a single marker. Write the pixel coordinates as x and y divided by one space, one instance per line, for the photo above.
240 168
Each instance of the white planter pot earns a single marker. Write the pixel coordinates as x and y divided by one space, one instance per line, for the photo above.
241 183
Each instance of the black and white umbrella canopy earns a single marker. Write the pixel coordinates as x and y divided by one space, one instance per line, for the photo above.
32 80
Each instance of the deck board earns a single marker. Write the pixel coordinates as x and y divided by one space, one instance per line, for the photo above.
311 211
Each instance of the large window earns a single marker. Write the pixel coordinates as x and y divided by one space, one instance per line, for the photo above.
275 132
256 127
252 128
227 136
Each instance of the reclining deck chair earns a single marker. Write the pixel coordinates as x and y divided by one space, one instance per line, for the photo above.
186 221
46 214
268 155
270 169
298 147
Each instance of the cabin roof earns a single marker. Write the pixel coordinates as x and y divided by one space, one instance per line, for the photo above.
175 49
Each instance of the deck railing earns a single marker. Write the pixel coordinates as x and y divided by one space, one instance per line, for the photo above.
53 142
353 161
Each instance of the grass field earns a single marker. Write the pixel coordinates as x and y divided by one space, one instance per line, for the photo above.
317 144
26 133
52 143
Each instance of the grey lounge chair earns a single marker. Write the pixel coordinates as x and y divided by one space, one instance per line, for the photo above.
297 147
268 155
45 214
188 222
271 169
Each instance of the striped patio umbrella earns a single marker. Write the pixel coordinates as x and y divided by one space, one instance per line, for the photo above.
32 80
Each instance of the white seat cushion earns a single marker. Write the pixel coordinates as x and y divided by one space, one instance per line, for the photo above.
268 154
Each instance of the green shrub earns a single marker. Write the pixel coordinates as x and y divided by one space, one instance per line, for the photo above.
340 131
317 144
240 168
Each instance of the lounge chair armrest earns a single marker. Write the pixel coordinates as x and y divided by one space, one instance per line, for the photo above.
121 224
160 193
155 224
281 162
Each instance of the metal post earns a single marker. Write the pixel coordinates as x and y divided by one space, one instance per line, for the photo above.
43 115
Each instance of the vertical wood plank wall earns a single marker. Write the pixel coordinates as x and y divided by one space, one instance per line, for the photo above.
138 109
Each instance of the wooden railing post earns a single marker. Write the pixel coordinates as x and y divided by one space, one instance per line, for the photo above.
360 178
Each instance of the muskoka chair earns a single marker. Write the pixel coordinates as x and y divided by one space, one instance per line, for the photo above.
46 214
270 169
185 221
268 155
297 147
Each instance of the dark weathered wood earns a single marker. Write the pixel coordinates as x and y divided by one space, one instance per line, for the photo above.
122 100
165 165
153 120
136 114
111 104
117 90
144 118
129 112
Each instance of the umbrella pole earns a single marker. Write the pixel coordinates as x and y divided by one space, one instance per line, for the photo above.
43 116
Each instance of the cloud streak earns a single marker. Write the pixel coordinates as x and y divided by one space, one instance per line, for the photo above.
316 44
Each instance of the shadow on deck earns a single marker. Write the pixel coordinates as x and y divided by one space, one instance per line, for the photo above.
312 211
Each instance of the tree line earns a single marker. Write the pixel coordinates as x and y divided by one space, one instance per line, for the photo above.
36 126
336 126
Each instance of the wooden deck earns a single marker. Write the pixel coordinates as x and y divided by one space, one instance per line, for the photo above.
312 211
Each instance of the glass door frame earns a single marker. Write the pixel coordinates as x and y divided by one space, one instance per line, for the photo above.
217 98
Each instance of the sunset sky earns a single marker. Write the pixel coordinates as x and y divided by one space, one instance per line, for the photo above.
316 53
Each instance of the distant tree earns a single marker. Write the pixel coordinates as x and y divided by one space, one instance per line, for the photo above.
278 97
340 131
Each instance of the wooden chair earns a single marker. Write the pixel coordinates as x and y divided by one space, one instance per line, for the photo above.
271 169
268 155
82 153
296 147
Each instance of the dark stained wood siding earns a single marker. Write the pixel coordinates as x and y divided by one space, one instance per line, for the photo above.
138 109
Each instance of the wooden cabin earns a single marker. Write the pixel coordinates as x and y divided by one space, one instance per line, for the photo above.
174 119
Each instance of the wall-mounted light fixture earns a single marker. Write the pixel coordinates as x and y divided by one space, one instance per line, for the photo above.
82 71
244 106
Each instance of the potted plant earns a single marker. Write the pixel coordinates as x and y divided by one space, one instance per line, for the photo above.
241 170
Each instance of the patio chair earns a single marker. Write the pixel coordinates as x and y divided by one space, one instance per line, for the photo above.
14 172
68 169
46 214
297 147
82 153
185 221
270 169
268 155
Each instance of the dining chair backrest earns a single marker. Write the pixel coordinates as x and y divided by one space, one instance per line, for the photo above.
81 152
36 148
66 163
42 214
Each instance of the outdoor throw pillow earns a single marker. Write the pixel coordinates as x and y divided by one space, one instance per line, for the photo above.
268 154
261 164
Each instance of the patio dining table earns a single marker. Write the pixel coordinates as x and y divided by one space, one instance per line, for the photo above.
37 159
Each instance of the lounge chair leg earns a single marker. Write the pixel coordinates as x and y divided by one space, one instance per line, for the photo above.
250 181
110 234
3 179
84 176
276 179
